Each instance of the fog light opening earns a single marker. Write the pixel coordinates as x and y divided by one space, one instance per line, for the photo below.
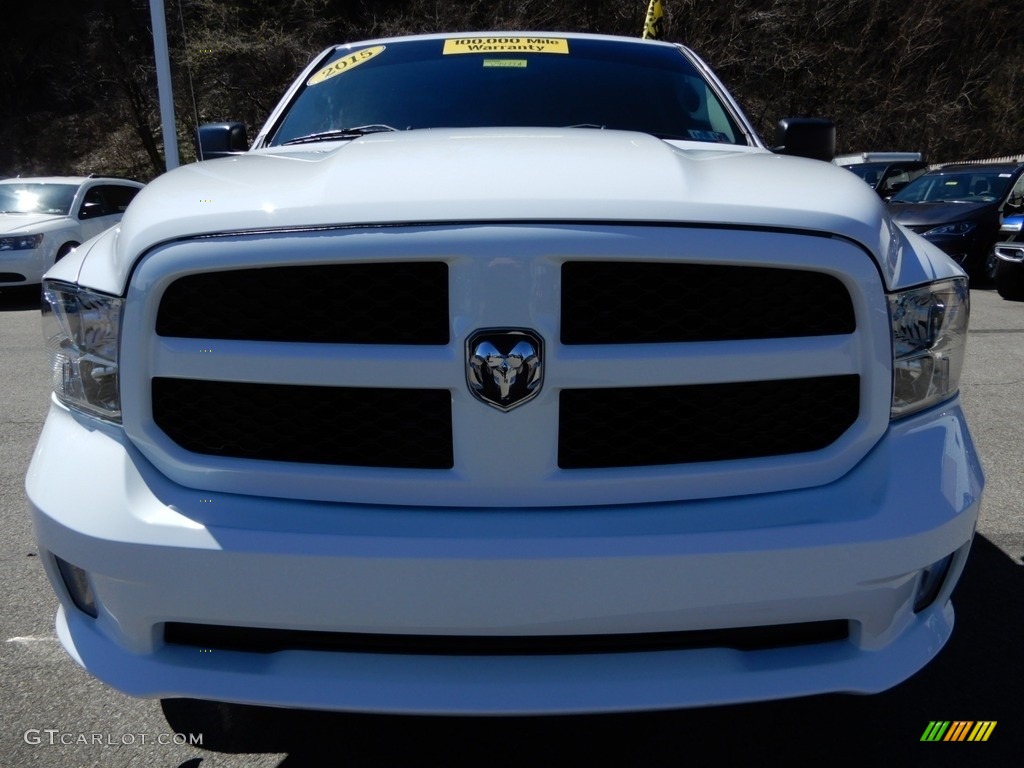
76 581
931 581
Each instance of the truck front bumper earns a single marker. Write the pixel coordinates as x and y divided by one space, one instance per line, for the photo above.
857 551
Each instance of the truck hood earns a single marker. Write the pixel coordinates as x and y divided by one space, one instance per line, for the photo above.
463 175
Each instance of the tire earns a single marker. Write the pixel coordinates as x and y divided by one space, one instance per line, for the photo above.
991 266
976 266
1010 280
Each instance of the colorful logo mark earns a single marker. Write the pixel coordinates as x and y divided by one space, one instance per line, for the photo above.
958 730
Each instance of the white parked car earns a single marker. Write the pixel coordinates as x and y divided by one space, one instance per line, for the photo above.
42 219
506 374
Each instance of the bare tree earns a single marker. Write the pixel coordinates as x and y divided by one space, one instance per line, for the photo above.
938 76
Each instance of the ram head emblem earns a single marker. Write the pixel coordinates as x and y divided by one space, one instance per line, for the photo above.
504 367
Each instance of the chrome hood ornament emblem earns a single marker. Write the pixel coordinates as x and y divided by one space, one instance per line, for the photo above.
504 367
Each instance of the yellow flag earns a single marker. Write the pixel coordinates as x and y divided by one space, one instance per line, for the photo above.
652 24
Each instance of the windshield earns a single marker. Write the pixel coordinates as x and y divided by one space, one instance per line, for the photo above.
53 199
508 82
870 172
974 186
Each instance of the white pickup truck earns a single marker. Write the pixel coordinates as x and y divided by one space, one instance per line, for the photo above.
505 374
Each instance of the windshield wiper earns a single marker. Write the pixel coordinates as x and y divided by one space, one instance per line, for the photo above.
341 133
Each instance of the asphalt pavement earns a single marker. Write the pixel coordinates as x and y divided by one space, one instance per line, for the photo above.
54 714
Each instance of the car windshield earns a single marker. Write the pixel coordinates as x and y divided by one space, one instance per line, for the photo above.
53 199
870 172
507 82
973 186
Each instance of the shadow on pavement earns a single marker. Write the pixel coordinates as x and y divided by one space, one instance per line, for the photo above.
19 298
976 677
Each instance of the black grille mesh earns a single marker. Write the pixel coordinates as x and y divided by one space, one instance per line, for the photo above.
605 302
403 428
380 303
258 640
638 426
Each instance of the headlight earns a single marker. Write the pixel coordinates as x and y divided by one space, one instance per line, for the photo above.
959 228
81 331
20 242
929 336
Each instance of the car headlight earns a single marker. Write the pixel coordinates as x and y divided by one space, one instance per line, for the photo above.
929 337
81 329
958 228
20 242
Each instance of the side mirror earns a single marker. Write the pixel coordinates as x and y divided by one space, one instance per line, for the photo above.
220 140
813 137
91 211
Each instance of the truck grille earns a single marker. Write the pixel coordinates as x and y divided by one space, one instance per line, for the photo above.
638 426
606 302
664 350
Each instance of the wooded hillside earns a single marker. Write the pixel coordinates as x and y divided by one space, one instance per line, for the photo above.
945 77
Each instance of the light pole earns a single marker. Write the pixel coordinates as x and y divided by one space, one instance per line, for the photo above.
163 83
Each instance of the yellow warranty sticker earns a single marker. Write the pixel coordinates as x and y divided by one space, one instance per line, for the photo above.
344 64
506 45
